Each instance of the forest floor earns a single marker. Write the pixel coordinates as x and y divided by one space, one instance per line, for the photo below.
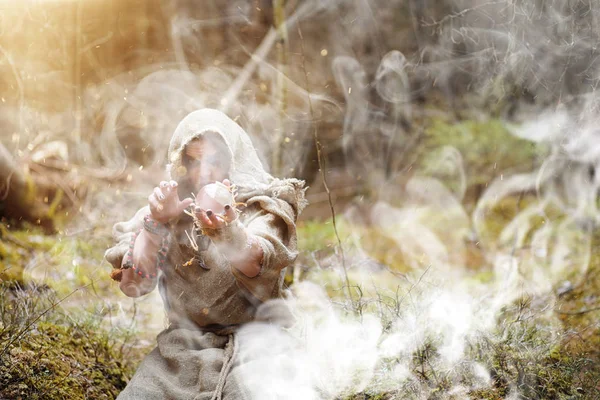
66 331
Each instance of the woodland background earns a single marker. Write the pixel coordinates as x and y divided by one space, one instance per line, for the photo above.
451 149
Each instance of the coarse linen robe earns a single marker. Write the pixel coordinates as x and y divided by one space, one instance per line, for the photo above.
207 300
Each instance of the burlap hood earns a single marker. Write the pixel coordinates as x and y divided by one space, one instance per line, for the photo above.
246 170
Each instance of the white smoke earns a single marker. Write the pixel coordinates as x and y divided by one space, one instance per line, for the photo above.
536 60
447 312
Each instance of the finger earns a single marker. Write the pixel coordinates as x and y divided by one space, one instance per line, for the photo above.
221 221
213 218
165 190
205 221
229 213
202 217
169 190
153 203
226 182
185 204
173 184
158 193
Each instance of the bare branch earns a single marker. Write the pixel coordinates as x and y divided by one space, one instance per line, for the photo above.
458 14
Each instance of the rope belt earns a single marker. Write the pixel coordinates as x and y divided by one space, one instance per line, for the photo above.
230 353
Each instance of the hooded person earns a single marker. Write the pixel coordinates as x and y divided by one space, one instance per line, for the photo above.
215 270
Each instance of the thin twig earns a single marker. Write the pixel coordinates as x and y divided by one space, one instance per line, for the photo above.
323 177
413 286
280 26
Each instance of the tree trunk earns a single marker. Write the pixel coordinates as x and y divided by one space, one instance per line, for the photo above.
18 200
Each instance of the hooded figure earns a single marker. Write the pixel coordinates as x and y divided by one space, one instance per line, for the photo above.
206 298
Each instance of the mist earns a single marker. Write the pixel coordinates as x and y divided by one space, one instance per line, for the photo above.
453 243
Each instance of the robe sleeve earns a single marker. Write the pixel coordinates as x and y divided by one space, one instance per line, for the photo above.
274 224
122 233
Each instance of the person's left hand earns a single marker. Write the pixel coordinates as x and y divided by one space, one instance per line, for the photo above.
213 210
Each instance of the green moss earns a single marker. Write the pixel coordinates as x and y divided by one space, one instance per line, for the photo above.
523 353
12 258
59 355
500 214
579 312
45 354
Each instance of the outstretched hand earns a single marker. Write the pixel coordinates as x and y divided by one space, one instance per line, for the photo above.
165 204
214 210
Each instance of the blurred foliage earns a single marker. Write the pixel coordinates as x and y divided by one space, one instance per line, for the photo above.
67 262
487 148
54 342
523 353
46 353
319 238
559 368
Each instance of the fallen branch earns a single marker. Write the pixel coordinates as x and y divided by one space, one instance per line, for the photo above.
65 188
259 56
100 174
17 194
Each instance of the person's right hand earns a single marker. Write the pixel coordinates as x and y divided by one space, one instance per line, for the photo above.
215 205
165 204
